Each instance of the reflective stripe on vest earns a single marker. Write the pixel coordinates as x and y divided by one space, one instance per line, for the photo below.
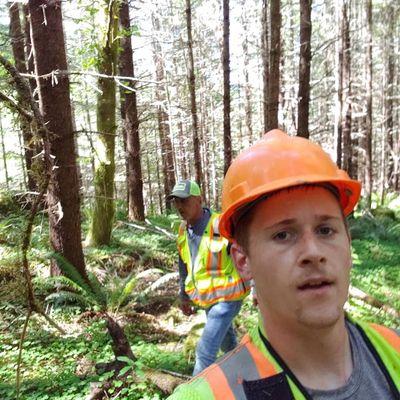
214 261
389 334
232 290
246 362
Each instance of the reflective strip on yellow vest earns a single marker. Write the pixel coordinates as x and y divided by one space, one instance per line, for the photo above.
245 362
212 277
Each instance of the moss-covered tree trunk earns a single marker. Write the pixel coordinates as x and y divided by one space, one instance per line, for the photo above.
103 206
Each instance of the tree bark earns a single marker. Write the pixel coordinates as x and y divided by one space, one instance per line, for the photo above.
274 61
389 95
130 120
304 69
17 43
368 117
346 93
247 86
338 84
192 91
227 89
54 100
265 61
3 151
103 207
167 152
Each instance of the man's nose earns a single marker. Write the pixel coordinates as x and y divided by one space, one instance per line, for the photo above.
311 252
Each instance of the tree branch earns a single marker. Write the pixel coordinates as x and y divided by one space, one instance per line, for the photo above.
15 106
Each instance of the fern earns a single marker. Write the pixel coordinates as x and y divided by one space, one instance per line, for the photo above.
62 281
97 290
92 289
71 272
64 296
127 290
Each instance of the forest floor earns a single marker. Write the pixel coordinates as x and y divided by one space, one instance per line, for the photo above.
63 366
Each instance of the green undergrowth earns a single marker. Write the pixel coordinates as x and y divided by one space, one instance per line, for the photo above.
62 367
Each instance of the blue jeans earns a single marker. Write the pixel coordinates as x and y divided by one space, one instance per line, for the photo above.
218 333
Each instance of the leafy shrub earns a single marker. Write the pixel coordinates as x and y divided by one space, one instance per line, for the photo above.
12 281
378 228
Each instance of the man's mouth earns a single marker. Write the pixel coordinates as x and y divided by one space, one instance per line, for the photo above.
315 284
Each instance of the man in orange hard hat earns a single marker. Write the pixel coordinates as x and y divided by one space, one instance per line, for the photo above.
284 208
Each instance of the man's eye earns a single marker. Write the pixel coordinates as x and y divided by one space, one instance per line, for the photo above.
281 236
325 230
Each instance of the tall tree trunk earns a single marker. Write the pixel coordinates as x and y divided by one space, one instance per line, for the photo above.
227 89
129 115
192 91
3 151
265 60
167 153
390 92
339 83
346 92
274 61
247 87
17 43
54 100
103 207
368 125
304 68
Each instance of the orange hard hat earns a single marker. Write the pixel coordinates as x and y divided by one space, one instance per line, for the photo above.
275 162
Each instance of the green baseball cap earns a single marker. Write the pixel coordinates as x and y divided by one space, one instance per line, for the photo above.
185 189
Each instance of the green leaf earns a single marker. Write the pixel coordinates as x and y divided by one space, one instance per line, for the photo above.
126 359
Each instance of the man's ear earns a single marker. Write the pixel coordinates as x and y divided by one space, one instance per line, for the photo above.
241 260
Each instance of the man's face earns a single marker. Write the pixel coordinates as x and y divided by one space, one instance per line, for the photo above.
299 257
190 209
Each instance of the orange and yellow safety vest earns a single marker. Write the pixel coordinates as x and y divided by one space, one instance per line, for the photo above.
251 363
212 277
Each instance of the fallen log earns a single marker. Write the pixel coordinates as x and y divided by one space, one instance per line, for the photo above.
372 301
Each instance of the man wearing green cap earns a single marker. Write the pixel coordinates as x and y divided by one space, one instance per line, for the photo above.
208 277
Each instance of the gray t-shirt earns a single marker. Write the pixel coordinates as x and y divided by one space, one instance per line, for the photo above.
366 381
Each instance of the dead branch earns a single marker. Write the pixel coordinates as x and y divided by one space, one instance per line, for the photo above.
150 228
164 381
59 72
159 229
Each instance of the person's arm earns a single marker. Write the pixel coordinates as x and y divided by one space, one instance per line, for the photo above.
185 302
182 278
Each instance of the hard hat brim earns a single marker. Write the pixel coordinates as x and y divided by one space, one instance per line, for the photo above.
349 193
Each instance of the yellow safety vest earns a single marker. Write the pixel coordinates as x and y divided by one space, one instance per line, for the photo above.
251 362
212 277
